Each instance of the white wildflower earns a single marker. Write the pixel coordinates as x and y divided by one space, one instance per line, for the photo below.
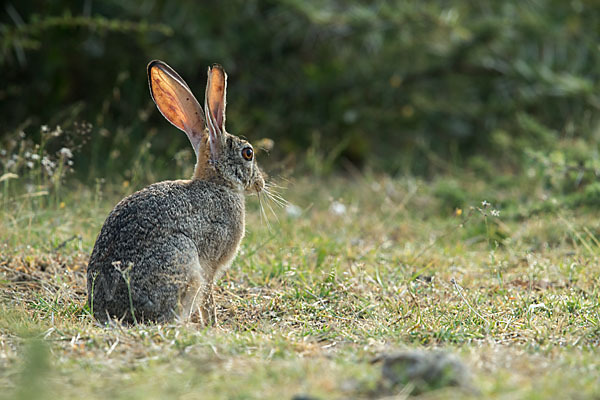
44 128
337 208
495 213
65 152
35 156
10 164
48 165
485 203
29 164
293 210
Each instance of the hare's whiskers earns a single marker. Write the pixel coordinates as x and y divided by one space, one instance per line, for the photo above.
276 197
263 214
278 202
276 185
271 185
271 208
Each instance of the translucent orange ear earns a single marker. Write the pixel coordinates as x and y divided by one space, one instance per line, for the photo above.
214 107
175 101
216 92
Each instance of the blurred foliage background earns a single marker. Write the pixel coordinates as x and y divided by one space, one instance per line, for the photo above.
405 87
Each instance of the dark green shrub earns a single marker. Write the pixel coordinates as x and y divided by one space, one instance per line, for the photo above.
403 80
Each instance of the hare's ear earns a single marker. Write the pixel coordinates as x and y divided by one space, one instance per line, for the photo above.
214 107
176 102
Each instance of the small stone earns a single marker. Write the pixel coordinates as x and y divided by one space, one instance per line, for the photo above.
425 370
304 397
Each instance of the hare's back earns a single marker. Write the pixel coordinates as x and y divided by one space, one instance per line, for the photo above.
153 211
199 210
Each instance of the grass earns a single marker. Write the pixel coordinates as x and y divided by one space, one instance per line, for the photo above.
310 301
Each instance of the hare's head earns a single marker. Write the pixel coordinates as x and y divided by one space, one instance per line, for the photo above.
220 155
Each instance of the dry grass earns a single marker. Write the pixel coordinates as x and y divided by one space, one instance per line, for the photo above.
370 265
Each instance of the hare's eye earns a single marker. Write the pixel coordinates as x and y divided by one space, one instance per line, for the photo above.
247 153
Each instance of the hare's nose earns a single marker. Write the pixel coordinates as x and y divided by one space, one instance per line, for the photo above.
259 185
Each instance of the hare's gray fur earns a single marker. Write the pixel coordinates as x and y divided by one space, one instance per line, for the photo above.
161 248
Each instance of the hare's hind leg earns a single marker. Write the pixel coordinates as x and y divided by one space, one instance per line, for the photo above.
165 279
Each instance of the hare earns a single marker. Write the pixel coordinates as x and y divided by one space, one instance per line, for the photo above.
161 249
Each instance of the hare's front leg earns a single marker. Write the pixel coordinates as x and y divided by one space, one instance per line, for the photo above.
208 312
196 296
